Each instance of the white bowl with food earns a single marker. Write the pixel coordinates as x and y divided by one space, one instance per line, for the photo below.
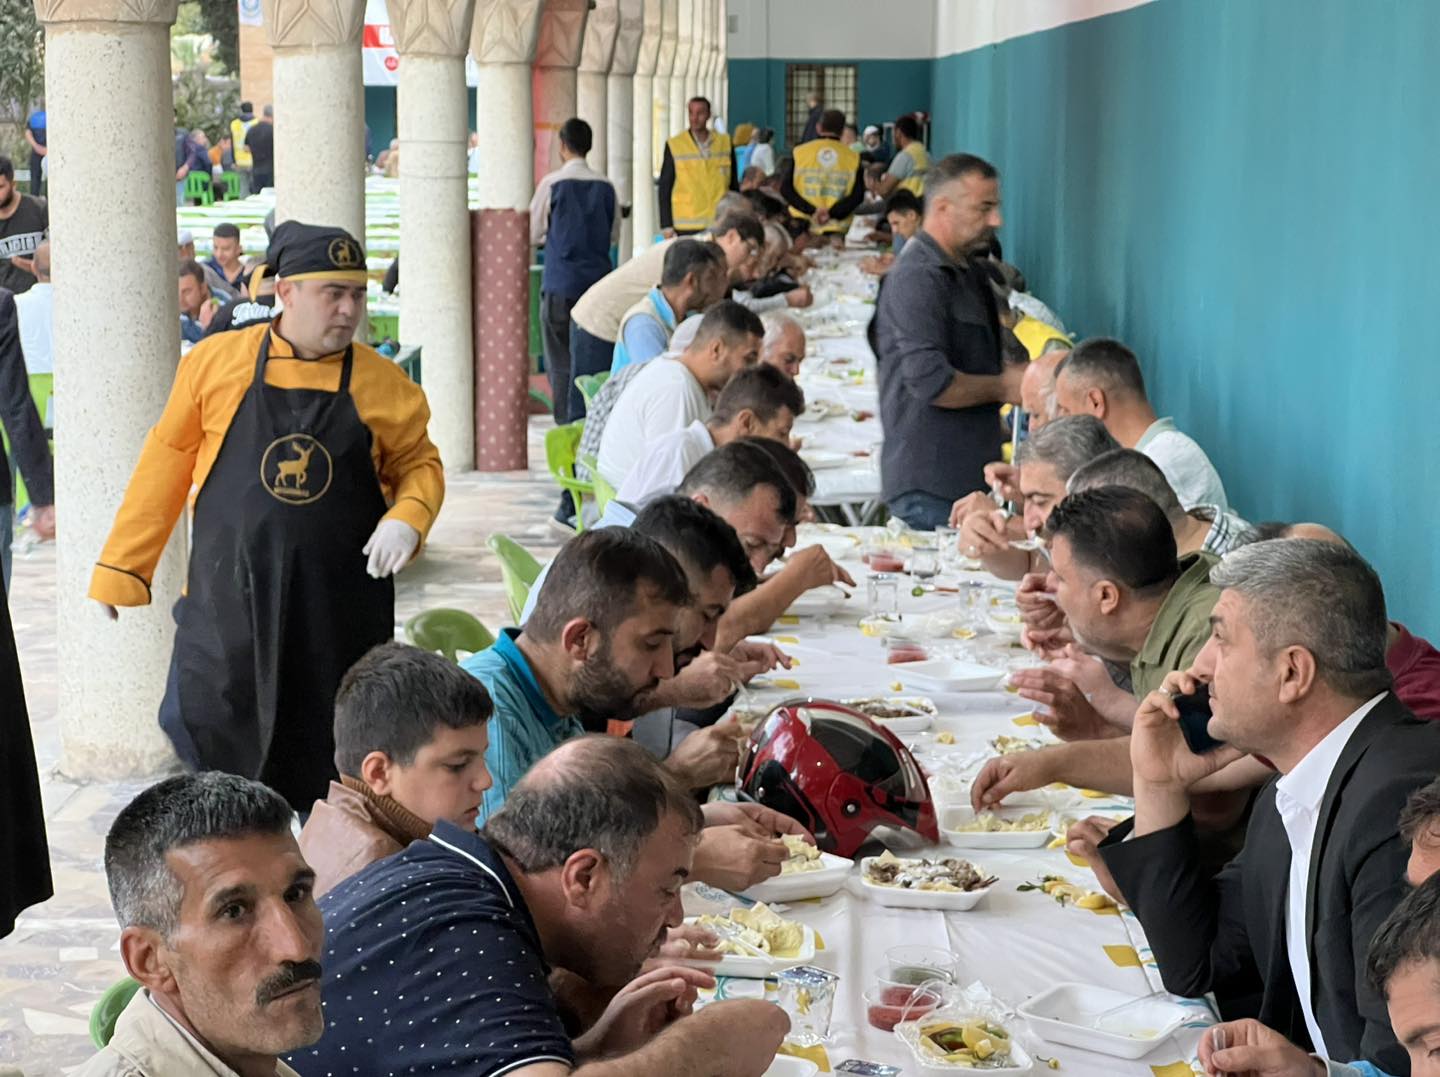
822 601
899 714
1109 1022
757 942
948 883
1001 828
809 873
942 1045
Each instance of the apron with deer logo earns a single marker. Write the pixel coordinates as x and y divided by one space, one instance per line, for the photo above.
278 603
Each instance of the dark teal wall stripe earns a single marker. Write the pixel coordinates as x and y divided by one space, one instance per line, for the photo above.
1246 192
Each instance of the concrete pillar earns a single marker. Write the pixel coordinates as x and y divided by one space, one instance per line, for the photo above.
645 213
681 86
502 41
717 60
319 112
107 83
705 33
664 69
592 88
725 56
620 115
557 55
432 38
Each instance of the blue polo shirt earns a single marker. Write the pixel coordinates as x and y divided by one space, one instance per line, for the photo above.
523 727
433 964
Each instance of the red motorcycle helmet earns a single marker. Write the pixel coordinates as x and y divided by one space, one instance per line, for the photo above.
839 774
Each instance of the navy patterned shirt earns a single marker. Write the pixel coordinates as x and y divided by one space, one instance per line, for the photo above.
433 965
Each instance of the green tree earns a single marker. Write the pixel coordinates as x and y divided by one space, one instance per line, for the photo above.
22 61
218 18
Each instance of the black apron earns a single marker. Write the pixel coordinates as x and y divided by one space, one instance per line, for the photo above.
278 604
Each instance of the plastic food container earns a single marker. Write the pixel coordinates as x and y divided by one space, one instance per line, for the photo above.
886 1007
960 816
1076 1014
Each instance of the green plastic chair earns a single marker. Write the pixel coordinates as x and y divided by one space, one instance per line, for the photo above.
561 443
542 398
107 1011
448 632
232 185
42 391
518 570
198 189
590 386
604 492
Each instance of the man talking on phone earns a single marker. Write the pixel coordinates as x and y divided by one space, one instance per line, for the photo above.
1296 672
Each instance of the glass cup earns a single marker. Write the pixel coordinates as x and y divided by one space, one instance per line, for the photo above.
920 964
882 591
807 995
924 564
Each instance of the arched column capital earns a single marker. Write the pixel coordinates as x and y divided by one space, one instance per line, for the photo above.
601 29
630 24
652 20
431 27
562 33
308 24
54 12
505 31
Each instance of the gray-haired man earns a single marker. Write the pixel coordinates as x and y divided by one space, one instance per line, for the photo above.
1296 672
218 925
443 953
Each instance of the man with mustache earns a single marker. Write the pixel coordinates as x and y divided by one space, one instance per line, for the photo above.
219 926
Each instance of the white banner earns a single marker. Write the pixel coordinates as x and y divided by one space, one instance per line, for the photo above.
381 63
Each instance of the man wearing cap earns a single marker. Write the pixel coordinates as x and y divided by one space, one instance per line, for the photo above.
309 455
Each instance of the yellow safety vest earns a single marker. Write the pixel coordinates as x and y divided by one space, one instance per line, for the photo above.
701 180
824 174
915 182
238 130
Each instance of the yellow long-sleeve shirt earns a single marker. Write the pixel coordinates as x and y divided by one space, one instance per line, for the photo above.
181 448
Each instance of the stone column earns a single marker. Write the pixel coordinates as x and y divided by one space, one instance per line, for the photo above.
503 44
432 38
705 33
717 61
644 217
319 111
557 55
664 69
620 117
502 41
681 86
592 88
107 83
724 78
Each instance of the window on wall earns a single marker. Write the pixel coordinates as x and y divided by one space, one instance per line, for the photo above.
835 83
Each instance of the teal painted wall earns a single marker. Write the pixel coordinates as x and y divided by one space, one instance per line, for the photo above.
380 114
886 89
1241 191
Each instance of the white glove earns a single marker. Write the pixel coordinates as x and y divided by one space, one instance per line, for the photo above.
390 547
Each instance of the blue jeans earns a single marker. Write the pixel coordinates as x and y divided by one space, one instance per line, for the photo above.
588 355
922 511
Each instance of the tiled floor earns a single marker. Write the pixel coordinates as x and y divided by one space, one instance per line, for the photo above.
63 953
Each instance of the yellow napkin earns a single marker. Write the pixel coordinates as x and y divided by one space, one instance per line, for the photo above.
787 639
1173 1069
1095 794
1123 956
814 1054
789 619
1026 719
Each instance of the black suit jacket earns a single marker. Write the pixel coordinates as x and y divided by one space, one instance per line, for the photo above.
1227 934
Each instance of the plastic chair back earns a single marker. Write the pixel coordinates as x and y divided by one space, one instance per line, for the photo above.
198 189
448 632
518 570
604 492
561 444
590 386
107 1010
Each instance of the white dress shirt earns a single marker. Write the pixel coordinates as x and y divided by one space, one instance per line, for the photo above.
36 309
663 398
1297 798
666 463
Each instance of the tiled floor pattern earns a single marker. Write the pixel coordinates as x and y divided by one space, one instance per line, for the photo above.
63 954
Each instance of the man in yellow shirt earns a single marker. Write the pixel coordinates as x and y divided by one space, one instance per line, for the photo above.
698 169
827 180
309 455
910 164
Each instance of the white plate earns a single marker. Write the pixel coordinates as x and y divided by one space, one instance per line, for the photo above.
1000 622
1061 821
836 547
821 601
950 675
759 967
790 1066
1001 839
908 1032
913 723
821 459
1067 1012
896 897
800 885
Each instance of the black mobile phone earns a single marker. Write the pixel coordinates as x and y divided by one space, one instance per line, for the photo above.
1195 719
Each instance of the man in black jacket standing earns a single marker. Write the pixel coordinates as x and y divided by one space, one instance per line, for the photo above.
1296 673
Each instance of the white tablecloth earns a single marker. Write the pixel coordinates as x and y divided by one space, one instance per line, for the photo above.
1018 944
